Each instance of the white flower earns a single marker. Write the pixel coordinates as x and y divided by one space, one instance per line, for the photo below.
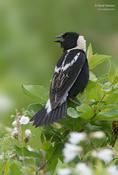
76 137
71 151
106 155
112 170
97 134
14 123
14 132
83 169
64 171
27 133
24 120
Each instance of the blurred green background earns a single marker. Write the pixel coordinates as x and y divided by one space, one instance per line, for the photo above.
27 51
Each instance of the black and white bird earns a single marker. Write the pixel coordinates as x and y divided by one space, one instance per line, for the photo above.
70 77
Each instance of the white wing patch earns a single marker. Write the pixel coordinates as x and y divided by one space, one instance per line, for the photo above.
65 67
48 106
71 63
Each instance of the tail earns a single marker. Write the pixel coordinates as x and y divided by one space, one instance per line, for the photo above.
42 117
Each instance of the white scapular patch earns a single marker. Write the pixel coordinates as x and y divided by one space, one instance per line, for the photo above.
48 106
71 63
65 67
57 69
81 43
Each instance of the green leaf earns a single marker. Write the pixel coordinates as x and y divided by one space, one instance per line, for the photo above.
15 168
111 72
92 77
33 108
86 112
108 115
59 164
107 87
72 112
97 59
6 167
46 146
94 91
112 98
115 86
36 91
23 151
53 156
89 52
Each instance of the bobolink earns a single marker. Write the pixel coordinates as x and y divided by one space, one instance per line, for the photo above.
70 77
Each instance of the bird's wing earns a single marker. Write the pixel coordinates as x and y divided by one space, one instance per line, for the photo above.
66 73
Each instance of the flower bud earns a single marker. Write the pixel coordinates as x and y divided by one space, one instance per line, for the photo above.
27 135
15 132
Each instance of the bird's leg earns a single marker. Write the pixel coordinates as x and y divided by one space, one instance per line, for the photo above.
75 101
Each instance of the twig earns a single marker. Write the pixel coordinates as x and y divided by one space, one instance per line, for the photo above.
74 101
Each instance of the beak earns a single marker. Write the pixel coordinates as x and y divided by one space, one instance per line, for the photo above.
59 39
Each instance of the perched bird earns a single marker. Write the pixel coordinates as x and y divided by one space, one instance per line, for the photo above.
70 77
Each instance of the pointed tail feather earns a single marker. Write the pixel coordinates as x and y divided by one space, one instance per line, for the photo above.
44 118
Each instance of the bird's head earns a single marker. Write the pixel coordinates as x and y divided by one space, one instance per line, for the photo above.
71 40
